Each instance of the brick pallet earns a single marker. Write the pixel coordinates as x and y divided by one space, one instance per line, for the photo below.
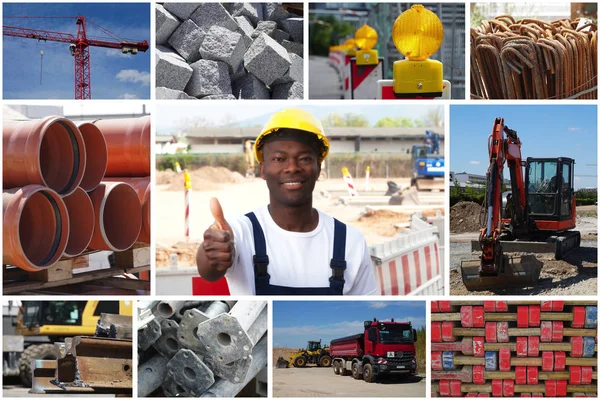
512 349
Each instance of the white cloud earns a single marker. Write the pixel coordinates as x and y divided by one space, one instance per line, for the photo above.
116 53
573 129
378 304
135 76
128 96
475 162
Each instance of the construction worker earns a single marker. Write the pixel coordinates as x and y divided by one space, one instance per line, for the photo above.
287 247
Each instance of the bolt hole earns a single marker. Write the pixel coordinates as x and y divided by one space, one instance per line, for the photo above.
126 367
189 373
230 364
172 344
149 370
224 339
246 348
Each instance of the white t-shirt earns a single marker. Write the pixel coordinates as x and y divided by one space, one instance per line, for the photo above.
299 259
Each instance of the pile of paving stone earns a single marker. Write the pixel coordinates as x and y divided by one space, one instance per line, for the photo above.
228 51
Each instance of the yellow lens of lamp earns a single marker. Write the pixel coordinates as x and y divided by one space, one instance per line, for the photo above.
417 33
365 37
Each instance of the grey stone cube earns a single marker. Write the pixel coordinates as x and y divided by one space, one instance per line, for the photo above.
295 73
163 93
266 59
264 27
166 23
274 12
186 40
209 77
219 97
293 47
250 88
279 35
221 44
244 25
171 69
288 91
211 14
181 10
247 10
295 27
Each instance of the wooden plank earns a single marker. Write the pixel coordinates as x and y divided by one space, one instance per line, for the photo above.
18 287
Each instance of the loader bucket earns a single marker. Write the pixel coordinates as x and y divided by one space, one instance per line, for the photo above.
516 272
282 363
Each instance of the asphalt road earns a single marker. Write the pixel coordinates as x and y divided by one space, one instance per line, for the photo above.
324 81
322 382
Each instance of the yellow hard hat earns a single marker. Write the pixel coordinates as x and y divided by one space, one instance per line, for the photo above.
292 118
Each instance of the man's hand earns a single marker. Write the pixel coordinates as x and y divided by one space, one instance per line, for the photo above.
217 253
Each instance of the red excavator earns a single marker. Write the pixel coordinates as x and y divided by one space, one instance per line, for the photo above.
535 216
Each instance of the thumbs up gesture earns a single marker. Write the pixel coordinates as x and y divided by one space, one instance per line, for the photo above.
218 244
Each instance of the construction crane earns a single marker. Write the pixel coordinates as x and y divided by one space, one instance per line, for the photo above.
79 47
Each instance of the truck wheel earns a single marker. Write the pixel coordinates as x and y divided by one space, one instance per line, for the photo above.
300 362
44 351
368 374
325 361
355 374
336 368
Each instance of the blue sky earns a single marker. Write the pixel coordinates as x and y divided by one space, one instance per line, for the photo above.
172 118
545 131
113 75
296 322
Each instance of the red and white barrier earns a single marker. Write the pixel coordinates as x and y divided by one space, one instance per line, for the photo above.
385 91
349 182
346 77
410 264
364 78
188 200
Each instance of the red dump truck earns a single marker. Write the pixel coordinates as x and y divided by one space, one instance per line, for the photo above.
384 347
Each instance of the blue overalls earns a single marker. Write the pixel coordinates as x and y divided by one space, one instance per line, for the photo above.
261 261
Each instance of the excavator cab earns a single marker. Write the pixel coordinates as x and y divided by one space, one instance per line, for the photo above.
314 345
550 193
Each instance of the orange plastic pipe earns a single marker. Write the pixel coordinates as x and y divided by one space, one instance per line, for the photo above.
117 216
96 155
48 152
142 188
81 217
128 144
35 227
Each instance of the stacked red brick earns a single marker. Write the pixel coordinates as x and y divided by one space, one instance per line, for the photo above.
514 349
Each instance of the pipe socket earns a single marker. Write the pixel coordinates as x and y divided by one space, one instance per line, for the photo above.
96 156
81 222
48 152
35 227
142 188
117 216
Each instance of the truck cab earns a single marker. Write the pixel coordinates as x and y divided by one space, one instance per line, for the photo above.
384 347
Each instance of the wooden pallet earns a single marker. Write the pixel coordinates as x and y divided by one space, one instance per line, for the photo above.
64 278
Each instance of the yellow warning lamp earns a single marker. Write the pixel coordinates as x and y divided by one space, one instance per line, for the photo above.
366 38
350 46
418 33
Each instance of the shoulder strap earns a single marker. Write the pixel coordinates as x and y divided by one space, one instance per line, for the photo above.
338 262
260 259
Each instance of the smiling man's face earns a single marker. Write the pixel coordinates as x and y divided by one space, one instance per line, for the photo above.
291 170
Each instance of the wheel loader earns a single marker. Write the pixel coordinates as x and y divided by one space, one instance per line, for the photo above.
313 354
536 216
30 332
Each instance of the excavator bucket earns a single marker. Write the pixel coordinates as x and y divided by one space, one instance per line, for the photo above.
516 272
282 363
430 184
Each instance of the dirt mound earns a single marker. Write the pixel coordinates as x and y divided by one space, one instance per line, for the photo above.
186 254
203 179
166 177
281 352
464 217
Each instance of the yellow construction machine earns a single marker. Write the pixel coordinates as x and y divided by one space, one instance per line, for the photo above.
38 324
313 354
